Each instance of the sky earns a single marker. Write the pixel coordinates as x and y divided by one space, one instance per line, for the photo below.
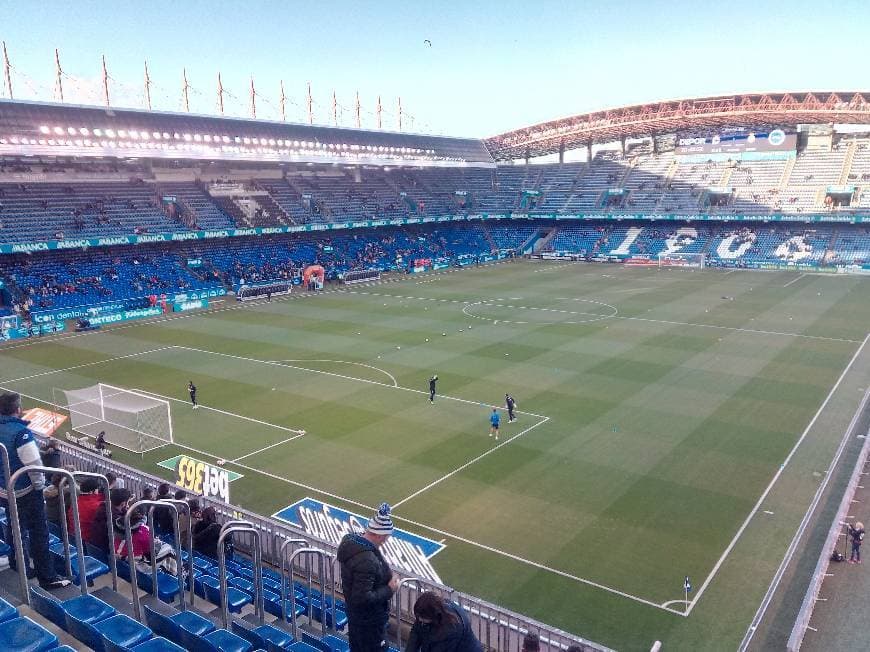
461 69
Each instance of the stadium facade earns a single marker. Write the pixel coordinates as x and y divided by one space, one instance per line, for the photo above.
106 212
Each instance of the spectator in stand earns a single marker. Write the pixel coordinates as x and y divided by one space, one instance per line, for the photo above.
27 492
144 544
91 502
368 582
119 499
52 499
163 521
531 643
149 493
206 533
440 625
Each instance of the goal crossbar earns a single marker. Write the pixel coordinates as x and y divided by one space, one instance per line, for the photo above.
678 259
130 419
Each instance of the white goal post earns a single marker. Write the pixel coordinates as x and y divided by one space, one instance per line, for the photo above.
130 420
677 259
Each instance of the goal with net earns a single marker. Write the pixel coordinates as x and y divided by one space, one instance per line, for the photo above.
131 420
677 259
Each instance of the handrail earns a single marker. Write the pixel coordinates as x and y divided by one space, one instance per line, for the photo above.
15 524
321 556
258 570
407 581
284 578
185 507
110 553
131 557
275 532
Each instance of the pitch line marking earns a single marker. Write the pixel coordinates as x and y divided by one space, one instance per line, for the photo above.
443 533
670 602
358 364
626 318
773 481
469 463
224 412
794 280
87 364
261 450
360 380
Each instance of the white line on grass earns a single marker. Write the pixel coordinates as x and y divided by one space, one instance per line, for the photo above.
448 535
773 481
358 364
469 463
360 380
87 364
224 412
623 317
443 533
261 450
794 280
792 548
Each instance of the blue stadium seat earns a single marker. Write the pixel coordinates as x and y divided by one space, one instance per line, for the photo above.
266 637
182 628
24 635
48 606
167 585
7 611
223 640
236 599
87 608
157 644
121 631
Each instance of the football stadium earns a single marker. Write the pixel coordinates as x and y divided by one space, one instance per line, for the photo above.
616 399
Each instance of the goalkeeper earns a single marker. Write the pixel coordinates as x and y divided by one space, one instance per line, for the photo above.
191 389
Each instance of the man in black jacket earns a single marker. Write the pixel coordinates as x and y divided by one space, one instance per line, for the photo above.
368 583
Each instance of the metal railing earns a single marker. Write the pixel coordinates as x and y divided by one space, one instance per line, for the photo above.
15 526
496 627
235 527
131 553
808 605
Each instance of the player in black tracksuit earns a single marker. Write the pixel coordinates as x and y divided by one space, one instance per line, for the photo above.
191 388
432 381
510 403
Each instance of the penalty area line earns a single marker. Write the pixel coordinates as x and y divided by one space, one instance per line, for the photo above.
469 463
445 534
87 364
262 450
224 412
354 378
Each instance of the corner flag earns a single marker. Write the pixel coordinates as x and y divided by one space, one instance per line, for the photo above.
687 585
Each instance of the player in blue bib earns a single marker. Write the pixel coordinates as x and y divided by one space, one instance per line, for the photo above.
494 420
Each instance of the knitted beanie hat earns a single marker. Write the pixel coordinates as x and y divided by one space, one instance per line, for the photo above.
381 523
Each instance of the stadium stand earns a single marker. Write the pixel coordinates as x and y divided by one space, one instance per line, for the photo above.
270 591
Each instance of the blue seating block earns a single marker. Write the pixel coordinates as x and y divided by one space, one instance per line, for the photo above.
157 644
7 611
87 608
123 631
24 635
226 641
236 599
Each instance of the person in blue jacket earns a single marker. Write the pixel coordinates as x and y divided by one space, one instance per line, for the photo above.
494 420
23 451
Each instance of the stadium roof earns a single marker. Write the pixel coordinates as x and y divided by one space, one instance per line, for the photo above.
756 110
44 129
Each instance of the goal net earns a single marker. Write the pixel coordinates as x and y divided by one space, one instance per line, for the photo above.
676 259
131 420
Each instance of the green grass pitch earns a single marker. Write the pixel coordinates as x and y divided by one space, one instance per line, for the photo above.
654 409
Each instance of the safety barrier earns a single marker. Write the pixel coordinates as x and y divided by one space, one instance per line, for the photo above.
496 627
